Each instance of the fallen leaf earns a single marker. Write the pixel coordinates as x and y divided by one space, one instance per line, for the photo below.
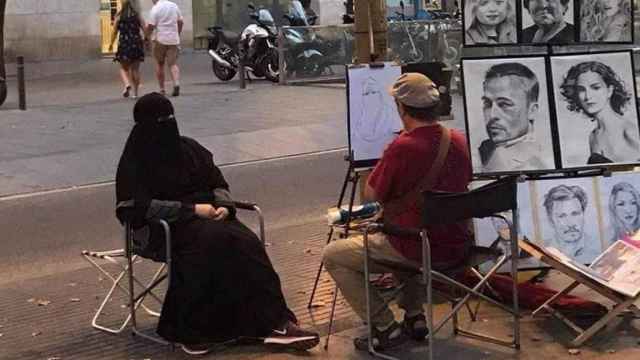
100 278
124 306
54 358
31 300
1 334
72 284
290 242
574 351
301 292
611 351
536 339
43 302
74 300
36 333
307 251
267 244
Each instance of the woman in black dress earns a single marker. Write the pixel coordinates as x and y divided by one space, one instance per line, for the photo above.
130 25
223 286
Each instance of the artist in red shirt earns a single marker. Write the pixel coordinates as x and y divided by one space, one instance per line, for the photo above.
404 165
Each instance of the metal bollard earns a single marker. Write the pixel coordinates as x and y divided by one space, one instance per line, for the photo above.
22 96
241 72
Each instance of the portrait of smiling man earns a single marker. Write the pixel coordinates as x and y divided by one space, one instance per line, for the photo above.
550 25
510 109
565 207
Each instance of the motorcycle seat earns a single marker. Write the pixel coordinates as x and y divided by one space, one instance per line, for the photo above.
230 37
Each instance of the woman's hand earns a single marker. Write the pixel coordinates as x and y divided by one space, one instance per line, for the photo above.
207 211
220 213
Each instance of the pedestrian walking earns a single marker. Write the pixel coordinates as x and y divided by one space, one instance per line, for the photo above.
130 27
165 23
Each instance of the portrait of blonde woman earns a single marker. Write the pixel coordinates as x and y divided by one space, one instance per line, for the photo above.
606 21
624 211
490 22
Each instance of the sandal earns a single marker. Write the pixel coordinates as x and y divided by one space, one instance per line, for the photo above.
125 93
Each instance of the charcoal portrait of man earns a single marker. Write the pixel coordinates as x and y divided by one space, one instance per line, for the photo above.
511 107
565 207
550 23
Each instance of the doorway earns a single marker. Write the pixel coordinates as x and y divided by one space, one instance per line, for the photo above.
108 11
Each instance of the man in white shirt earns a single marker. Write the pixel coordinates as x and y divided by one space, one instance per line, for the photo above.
166 20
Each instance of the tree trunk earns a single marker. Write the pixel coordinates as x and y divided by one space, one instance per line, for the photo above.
3 73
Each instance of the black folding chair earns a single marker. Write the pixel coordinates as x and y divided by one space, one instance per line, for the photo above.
447 208
126 258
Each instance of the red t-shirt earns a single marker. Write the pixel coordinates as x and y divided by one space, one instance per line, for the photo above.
403 164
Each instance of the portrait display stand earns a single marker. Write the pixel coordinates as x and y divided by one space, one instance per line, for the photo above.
622 301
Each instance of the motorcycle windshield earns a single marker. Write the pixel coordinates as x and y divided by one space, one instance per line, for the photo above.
297 11
264 16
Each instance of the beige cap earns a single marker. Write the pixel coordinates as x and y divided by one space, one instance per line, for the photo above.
415 90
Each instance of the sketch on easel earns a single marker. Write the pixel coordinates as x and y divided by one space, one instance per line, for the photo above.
495 233
373 119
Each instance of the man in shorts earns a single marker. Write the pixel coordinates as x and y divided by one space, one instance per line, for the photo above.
165 18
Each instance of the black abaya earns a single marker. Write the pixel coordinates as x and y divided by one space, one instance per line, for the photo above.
223 284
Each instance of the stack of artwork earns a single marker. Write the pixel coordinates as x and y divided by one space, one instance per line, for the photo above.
581 217
557 22
546 113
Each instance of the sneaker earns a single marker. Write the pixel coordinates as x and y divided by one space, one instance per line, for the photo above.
291 336
383 340
416 327
125 92
176 91
196 349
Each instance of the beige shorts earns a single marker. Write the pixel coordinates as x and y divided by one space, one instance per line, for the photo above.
165 53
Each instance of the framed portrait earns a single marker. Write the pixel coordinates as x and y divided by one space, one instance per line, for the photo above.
490 22
495 233
595 107
548 22
605 21
508 115
620 206
567 212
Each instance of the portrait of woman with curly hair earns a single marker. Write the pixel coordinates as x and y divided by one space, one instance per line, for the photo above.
593 89
606 21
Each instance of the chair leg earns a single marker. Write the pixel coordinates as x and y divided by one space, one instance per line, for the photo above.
333 311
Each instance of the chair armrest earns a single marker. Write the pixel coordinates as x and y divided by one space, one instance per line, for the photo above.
244 205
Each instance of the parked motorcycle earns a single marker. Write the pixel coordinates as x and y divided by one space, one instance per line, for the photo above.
255 45
308 54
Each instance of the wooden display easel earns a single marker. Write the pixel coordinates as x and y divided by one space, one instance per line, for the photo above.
622 301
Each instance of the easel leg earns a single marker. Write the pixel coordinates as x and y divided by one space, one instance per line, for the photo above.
565 291
330 235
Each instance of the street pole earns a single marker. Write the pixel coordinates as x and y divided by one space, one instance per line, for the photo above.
3 74
370 30
22 96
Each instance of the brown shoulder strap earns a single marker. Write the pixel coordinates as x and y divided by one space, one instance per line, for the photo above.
391 208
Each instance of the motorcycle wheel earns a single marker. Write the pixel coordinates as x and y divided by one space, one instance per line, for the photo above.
269 64
313 66
221 72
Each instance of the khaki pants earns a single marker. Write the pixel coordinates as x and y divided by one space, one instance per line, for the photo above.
165 53
344 260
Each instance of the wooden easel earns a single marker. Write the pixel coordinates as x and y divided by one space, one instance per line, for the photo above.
622 301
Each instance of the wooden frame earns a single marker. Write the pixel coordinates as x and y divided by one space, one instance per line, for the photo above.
622 302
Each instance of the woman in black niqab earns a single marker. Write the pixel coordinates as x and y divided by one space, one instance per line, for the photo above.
223 285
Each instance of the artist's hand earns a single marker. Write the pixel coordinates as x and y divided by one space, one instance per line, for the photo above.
220 213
